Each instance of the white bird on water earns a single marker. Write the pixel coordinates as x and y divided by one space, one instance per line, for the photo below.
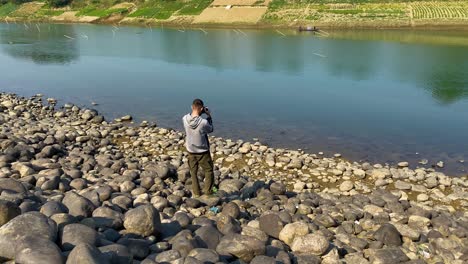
204 31
84 36
320 55
68 37
281 33
242 32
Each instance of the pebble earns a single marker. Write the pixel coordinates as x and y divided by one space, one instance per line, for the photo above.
403 164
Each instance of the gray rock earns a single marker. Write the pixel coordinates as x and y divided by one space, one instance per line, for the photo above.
75 234
278 188
78 184
182 218
401 185
53 207
11 185
325 220
37 250
242 247
143 220
290 231
271 224
231 209
355 258
263 260
312 244
138 248
387 256
78 205
63 219
32 224
228 225
254 232
105 217
230 185
346 186
86 254
208 236
167 256
118 254
389 235
204 255
8 211
306 259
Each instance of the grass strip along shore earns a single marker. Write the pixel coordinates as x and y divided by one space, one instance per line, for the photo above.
236 13
77 187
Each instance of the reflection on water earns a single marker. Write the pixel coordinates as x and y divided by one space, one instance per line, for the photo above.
46 45
372 95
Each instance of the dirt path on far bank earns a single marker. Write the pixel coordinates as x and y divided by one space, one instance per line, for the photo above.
247 15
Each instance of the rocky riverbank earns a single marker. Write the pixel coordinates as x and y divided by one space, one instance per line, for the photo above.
75 188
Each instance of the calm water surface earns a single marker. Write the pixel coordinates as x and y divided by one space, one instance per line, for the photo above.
381 96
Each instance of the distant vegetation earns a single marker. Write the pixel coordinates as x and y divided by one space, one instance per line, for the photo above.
58 3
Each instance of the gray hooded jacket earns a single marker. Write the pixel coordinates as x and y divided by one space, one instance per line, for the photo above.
197 130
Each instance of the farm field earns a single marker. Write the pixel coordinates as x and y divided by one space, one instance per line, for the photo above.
274 13
380 13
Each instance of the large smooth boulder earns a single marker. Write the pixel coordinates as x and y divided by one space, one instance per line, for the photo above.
86 254
32 224
167 256
205 255
8 211
208 236
387 256
53 207
242 247
231 185
11 185
118 254
37 250
143 220
389 235
263 260
108 218
312 244
138 248
74 234
228 225
78 205
278 188
291 231
271 224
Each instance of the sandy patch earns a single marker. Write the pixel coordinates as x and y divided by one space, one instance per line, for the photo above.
66 16
125 5
70 16
233 2
87 19
27 9
234 15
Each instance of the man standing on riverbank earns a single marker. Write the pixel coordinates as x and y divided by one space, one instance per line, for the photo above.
197 129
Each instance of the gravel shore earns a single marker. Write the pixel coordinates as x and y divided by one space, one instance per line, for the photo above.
75 188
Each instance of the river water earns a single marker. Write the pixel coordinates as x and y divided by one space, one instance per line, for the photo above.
379 96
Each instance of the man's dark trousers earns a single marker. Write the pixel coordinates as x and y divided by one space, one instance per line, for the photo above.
206 163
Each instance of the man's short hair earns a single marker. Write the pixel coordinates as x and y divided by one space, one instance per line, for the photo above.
198 102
